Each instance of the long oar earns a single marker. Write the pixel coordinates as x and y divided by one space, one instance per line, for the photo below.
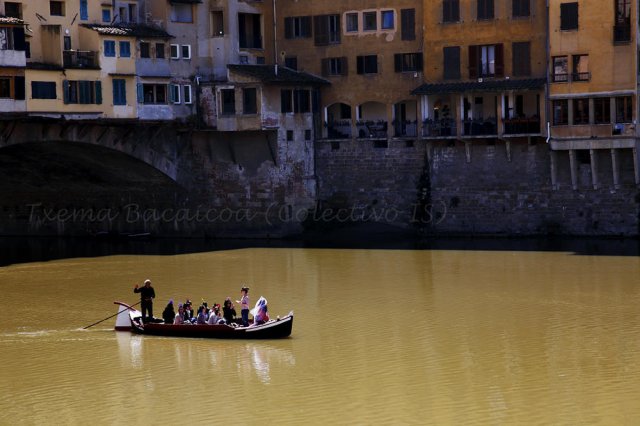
118 313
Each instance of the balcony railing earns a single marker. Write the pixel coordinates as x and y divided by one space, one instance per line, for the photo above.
405 128
560 78
340 129
622 33
478 127
521 126
372 129
581 76
80 59
444 127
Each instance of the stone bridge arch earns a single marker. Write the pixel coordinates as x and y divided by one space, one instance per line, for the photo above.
153 143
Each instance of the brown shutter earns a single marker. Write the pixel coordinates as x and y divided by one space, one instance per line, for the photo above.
499 60
345 65
321 30
397 62
473 61
408 24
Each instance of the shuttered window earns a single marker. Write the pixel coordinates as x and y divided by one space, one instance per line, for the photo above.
521 55
450 10
408 24
569 16
367 64
326 29
451 62
334 66
297 27
520 8
408 62
486 61
485 9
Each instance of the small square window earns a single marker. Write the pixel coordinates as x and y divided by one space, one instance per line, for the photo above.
244 59
144 50
370 21
186 51
260 60
160 50
387 20
175 51
352 22
56 8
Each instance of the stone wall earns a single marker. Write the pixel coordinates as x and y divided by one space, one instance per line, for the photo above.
479 188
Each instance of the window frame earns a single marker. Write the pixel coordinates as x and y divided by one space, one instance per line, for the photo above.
56 8
563 118
369 14
562 77
109 48
602 110
580 111
450 11
348 22
387 26
127 51
364 64
121 89
187 94
188 51
249 103
176 48
569 16
227 99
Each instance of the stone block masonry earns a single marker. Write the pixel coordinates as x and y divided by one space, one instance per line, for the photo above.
483 187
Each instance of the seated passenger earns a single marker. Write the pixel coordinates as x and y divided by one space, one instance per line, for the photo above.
214 315
228 311
179 319
169 314
202 315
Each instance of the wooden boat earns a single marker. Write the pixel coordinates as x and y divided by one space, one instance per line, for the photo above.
129 318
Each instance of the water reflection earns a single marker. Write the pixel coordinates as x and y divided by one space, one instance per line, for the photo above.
251 359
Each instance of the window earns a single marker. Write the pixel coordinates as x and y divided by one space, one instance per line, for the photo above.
291 62
286 101
181 12
334 66
249 31
106 15
602 110
560 112
12 38
521 55
175 51
81 92
520 8
153 93
228 98
624 109
387 20
367 64
451 11
145 49
289 135
217 23
352 22
297 27
408 23
485 9
160 50
249 101
581 111
84 11
301 101
560 69
186 91
580 70
174 93
125 49
43 90
133 12
408 62
486 61
27 49
370 21
569 16
122 14
66 43
56 8
119 91
5 87
326 29
307 135
451 62
261 61
109 48
622 27
186 51
13 10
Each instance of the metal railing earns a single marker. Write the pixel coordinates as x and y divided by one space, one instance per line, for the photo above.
80 59
444 127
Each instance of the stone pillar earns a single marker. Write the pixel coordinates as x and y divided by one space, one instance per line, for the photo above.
573 163
594 167
615 166
554 170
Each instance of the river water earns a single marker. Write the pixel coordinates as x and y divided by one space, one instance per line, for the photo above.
380 336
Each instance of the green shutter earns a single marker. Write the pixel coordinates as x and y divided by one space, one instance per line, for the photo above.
65 91
98 92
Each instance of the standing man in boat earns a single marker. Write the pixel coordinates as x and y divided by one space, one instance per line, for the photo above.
244 305
147 294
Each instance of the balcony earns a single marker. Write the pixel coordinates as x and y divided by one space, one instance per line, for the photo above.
369 129
443 128
622 33
80 59
521 126
560 78
480 127
339 129
405 128
581 76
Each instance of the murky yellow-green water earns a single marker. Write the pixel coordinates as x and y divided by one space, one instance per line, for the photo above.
380 337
